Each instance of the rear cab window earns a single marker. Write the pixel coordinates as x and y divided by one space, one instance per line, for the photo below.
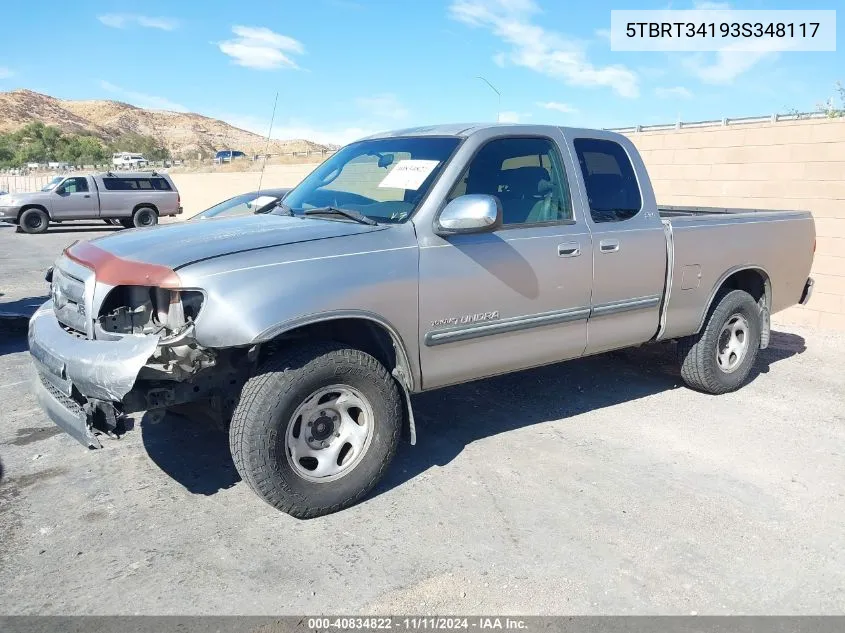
136 184
612 189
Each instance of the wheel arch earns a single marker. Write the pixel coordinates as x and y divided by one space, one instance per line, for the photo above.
752 279
26 207
143 205
363 330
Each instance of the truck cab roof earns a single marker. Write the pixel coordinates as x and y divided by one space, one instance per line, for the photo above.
464 130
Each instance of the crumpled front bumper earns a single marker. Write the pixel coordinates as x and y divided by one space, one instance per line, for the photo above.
76 374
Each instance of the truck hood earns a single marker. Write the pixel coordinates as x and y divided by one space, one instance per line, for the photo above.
31 197
177 245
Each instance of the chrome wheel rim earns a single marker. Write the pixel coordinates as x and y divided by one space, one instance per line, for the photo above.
145 218
329 433
34 221
732 344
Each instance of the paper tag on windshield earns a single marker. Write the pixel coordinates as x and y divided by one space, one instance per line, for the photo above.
409 174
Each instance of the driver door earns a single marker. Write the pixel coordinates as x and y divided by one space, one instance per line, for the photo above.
72 200
516 297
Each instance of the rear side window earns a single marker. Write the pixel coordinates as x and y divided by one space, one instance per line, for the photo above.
612 189
135 184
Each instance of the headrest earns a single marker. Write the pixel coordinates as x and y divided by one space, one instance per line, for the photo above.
524 180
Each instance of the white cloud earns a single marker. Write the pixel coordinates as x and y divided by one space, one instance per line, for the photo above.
259 47
383 106
545 52
5 73
711 6
728 64
509 116
126 20
675 92
556 105
142 100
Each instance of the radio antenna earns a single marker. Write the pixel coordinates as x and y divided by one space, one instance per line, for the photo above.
267 147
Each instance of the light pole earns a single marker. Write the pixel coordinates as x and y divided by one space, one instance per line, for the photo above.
498 97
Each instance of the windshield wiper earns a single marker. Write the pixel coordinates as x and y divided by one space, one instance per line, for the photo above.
347 213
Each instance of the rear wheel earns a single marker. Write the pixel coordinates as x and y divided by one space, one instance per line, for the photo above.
144 216
719 358
316 427
34 221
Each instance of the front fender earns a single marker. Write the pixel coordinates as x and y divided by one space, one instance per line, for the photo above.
253 296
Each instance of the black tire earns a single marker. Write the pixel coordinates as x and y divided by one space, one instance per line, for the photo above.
698 354
34 221
126 223
270 398
112 221
144 217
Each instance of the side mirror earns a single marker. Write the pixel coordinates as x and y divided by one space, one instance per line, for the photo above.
472 213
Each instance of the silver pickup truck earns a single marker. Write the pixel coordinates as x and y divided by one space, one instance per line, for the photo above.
406 262
131 199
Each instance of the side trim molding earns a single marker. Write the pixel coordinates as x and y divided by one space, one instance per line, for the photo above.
512 324
615 307
515 324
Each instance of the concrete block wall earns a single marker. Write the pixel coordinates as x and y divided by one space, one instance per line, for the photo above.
784 165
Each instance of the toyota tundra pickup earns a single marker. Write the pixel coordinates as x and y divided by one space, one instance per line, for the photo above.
408 261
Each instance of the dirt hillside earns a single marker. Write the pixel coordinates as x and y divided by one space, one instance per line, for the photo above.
184 134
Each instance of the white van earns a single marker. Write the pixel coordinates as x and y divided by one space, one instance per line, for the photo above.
128 160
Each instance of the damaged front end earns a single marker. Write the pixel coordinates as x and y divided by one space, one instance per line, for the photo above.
137 353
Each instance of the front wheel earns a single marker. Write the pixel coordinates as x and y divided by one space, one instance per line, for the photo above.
316 427
34 221
719 358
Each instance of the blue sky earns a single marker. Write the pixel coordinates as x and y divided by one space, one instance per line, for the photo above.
344 68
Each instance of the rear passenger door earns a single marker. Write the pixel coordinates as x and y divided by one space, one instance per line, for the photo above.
629 247
73 200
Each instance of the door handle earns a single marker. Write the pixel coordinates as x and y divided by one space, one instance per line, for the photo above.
87 195
569 249
609 246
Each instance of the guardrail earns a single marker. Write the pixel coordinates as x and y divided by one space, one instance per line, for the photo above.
684 125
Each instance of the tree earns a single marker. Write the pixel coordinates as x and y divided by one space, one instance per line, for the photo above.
830 107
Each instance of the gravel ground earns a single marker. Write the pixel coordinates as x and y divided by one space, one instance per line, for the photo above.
599 486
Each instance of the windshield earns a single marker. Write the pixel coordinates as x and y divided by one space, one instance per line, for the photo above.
239 205
384 179
51 184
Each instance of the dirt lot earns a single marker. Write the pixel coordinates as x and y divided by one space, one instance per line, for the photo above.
596 486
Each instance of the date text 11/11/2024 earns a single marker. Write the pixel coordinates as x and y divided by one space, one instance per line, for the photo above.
416 623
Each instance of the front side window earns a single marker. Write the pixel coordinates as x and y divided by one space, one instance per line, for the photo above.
73 185
384 179
525 174
612 189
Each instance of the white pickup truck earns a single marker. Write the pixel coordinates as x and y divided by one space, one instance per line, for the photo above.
406 262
